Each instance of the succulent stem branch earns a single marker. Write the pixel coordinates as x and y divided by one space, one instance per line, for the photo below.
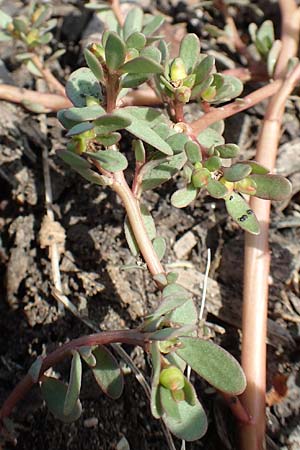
131 337
256 272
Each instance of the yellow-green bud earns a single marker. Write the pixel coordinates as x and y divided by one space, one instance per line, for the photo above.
246 186
177 71
32 36
209 93
183 94
97 50
201 177
172 378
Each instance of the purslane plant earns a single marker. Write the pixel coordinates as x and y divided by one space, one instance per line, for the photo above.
164 146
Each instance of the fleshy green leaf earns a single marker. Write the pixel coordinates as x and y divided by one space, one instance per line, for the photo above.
184 314
256 167
173 297
216 189
86 354
94 64
108 139
54 393
169 405
140 65
111 122
79 128
133 22
142 130
192 424
85 113
213 364
136 40
114 50
156 366
153 25
177 142
74 160
189 51
160 172
74 386
227 150
171 333
107 372
272 187
204 69
159 245
183 197
237 172
132 80
210 137
241 212
193 152
66 123
152 53
81 84
110 160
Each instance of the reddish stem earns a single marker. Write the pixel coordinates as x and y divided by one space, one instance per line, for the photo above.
235 107
131 337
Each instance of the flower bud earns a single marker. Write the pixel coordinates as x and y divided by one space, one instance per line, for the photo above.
201 177
177 71
183 94
172 378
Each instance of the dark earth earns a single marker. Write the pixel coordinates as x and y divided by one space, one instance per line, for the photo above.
93 276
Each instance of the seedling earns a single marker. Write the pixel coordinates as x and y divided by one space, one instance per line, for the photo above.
164 146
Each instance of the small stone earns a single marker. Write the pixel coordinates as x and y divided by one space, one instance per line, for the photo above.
184 245
91 422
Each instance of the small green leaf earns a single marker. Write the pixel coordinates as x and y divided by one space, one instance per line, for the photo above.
94 177
210 137
169 405
54 393
86 354
177 142
130 238
265 37
74 386
133 22
81 84
237 172
139 151
153 25
204 68
108 139
156 366
241 212
161 171
246 186
213 163
110 160
79 128
183 197
184 314
94 64
74 160
213 364
21 24
159 245
227 150
231 87
190 395
142 130
141 65
111 122
256 167
115 51
136 40
272 187
66 123
174 296
166 334
216 189
193 152
152 53
192 424
189 51
107 372
150 229
35 369
85 113
132 80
